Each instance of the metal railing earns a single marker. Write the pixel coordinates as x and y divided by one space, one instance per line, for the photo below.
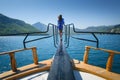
67 35
93 34
68 32
54 37
54 34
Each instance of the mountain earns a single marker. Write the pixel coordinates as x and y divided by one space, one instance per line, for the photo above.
43 27
99 29
40 26
14 26
111 28
116 29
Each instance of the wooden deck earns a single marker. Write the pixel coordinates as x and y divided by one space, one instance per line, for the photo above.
26 70
101 72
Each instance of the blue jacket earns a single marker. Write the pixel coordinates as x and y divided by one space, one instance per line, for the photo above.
60 24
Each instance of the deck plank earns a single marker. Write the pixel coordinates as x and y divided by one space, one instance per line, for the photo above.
26 70
81 66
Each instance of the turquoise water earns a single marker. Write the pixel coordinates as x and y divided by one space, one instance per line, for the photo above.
46 49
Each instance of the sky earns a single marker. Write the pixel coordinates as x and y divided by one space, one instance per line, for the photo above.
82 13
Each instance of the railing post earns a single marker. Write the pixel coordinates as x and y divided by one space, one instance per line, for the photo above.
13 61
85 59
109 61
35 57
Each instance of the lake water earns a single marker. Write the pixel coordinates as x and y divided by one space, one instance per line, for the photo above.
46 49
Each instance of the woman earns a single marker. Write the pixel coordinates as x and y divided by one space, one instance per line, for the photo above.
60 25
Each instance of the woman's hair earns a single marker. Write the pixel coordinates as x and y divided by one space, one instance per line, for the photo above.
60 17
